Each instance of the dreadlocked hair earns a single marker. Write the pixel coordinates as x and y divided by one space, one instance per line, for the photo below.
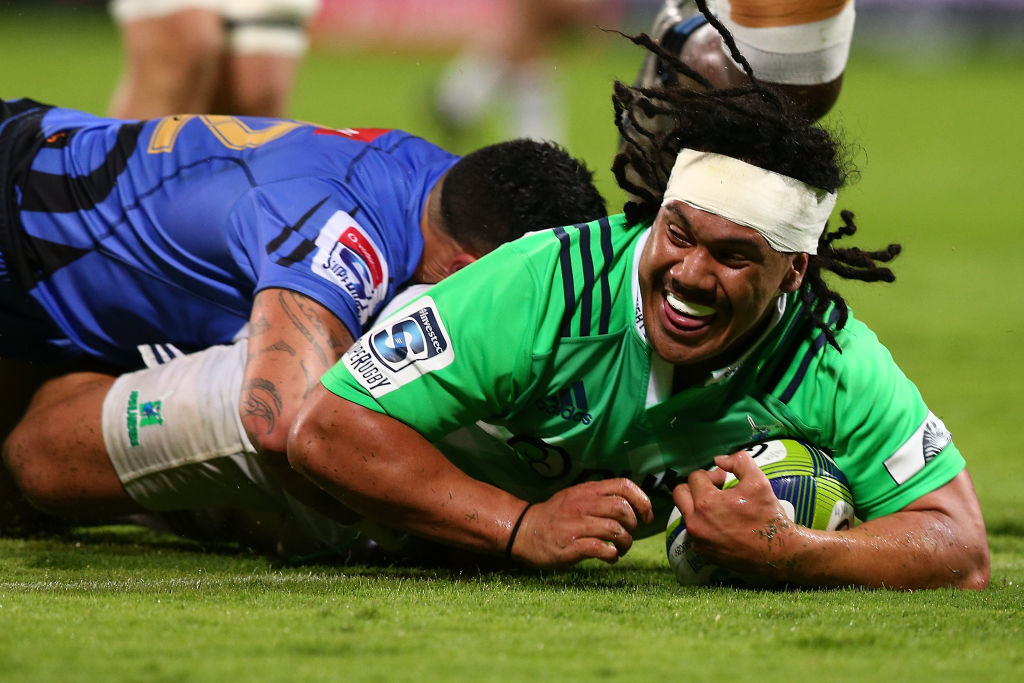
850 263
755 124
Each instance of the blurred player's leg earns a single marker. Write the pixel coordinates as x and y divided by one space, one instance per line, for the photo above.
800 47
466 88
209 56
255 84
537 110
171 63
515 65
266 41
672 26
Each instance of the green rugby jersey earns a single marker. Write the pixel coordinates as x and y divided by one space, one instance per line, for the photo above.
530 370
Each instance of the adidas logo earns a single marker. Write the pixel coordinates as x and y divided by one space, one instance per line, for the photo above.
571 405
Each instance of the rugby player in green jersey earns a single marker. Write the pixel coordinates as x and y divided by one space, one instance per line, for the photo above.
598 371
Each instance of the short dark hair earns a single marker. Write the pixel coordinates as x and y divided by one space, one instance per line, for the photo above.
756 125
502 191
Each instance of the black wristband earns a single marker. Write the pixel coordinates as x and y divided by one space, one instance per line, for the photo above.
515 530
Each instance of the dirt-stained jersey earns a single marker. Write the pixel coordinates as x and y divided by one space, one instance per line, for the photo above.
131 233
530 370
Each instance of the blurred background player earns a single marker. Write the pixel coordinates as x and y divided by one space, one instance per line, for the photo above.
514 67
798 46
209 56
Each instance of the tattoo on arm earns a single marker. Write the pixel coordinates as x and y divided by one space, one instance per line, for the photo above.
279 345
262 401
259 326
339 346
312 379
306 319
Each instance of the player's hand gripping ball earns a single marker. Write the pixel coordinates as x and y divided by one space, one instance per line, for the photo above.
808 483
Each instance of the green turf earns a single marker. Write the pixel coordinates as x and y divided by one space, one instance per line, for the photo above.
941 155
101 606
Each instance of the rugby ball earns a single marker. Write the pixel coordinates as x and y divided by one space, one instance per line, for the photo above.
811 488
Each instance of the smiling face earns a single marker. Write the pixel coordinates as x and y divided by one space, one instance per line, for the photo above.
708 285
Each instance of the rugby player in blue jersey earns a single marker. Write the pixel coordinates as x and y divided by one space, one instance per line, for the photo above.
225 262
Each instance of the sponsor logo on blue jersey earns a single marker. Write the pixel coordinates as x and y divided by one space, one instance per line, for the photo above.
348 257
349 266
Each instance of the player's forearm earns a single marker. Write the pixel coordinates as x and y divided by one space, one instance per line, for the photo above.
386 471
938 540
292 342
905 550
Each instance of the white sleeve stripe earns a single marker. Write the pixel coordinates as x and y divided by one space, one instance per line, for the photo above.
158 354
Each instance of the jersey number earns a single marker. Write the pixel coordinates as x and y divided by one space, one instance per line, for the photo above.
547 460
232 132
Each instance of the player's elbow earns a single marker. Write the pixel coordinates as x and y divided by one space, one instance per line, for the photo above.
306 442
967 564
265 439
978 570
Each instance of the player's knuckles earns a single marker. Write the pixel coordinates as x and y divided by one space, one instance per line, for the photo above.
623 486
591 488
597 549
610 529
702 508
631 491
717 477
571 504
623 543
617 509
683 498
697 477
569 534
742 464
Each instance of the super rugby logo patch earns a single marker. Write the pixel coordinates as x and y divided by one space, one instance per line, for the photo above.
401 349
349 258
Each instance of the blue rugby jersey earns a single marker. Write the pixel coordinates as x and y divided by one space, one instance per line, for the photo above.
131 233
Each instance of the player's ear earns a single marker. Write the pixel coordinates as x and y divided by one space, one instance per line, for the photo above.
460 261
794 276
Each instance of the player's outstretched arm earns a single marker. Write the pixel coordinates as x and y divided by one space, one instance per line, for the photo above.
938 540
385 470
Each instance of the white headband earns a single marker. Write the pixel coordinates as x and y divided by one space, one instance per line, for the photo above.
790 214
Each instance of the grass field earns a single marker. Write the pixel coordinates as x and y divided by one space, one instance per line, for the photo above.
940 153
